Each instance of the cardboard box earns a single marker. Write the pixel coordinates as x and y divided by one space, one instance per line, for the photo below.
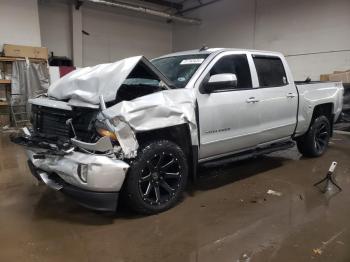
324 77
340 77
25 51
338 72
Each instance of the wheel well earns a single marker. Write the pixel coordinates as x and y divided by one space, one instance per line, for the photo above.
324 110
179 135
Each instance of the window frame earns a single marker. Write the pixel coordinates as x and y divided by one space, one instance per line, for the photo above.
206 72
273 57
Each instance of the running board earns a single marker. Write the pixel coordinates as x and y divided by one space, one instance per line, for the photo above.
249 154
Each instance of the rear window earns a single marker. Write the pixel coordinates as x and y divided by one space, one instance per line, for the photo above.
270 71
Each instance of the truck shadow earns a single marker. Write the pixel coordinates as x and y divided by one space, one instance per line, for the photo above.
54 205
217 176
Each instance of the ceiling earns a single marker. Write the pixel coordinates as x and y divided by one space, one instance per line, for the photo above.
175 4
172 10
179 6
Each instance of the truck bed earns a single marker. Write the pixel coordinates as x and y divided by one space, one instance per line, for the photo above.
314 93
310 82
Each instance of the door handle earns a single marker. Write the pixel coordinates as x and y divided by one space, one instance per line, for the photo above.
252 100
291 95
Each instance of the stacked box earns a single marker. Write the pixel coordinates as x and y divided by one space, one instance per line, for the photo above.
25 51
338 76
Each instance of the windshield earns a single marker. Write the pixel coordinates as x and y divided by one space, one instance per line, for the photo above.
179 69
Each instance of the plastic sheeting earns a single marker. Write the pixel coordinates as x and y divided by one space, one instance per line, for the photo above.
28 81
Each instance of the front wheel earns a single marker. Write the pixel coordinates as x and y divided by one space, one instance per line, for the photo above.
157 177
315 142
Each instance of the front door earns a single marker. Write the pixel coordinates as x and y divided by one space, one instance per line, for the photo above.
229 118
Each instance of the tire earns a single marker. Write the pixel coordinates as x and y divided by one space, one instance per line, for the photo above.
315 142
156 178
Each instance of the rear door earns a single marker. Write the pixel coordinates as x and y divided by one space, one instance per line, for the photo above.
278 98
228 119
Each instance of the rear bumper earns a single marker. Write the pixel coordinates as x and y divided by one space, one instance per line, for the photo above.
101 201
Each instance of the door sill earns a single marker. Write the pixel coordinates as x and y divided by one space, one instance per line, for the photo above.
248 154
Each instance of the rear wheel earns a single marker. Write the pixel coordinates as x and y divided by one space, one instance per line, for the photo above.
315 142
156 178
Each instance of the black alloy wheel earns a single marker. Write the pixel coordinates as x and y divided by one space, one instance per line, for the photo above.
321 137
156 178
160 179
315 142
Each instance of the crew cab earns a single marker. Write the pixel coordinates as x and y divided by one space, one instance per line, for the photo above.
138 128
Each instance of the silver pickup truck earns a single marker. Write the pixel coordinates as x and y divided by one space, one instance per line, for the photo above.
138 129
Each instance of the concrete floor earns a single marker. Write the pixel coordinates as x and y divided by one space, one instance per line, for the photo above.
228 216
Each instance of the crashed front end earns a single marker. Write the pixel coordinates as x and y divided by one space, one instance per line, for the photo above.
83 138
66 152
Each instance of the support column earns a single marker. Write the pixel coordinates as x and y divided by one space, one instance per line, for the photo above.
77 36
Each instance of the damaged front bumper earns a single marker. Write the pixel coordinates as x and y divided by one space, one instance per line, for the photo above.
93 180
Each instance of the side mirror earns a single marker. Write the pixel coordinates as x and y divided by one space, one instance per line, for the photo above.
220 82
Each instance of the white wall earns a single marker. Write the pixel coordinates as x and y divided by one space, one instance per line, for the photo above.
227 23
294 27
19 22
55 27
114 34
299 27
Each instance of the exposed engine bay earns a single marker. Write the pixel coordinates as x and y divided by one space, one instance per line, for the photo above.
141 81
60 131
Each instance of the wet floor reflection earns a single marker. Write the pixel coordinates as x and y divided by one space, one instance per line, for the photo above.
227 216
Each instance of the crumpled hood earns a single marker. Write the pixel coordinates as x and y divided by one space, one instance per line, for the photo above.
87 84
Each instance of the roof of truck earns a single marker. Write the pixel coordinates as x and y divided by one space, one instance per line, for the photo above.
216 50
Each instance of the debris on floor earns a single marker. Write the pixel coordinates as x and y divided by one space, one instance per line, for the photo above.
274 193
258 200
244 258
317 251
8 129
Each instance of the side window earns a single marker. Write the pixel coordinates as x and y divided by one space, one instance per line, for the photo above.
234 64
270 71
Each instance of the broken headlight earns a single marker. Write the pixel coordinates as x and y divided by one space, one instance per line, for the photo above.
103 130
